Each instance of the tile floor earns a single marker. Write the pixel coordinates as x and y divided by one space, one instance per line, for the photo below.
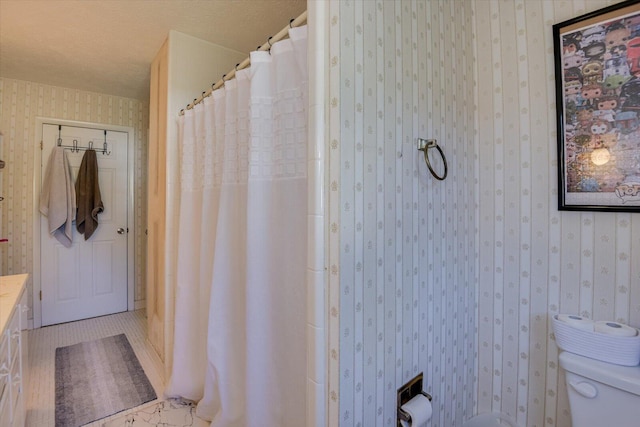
171 412
40 392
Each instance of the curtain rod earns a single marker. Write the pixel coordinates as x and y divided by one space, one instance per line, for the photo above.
300 20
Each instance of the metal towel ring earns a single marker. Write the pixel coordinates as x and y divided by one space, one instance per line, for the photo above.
424 145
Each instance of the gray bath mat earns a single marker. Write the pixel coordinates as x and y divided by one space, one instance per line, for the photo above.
98 378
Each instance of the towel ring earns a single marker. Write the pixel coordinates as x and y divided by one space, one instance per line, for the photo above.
424 145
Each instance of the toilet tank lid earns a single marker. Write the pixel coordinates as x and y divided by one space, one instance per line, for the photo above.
625 378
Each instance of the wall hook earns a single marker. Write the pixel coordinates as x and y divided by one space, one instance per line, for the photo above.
104 146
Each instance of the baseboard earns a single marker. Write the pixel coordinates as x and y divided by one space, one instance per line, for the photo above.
140 304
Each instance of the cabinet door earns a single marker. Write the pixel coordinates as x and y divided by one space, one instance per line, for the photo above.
16 390
5 412
5 380
156 219
24 342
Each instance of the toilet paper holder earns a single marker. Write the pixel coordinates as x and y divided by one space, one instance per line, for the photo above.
408 392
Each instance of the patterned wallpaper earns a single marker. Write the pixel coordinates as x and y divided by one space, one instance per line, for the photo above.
20 103
534 260
402 245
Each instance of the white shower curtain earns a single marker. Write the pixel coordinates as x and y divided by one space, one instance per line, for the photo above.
240 334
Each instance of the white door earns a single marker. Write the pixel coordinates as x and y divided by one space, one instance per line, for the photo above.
88 279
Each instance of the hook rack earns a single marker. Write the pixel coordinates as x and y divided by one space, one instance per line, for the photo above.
75 148
425 145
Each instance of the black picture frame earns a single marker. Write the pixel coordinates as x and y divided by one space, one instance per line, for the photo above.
597 69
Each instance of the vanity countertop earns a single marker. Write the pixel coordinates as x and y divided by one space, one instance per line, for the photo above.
11 290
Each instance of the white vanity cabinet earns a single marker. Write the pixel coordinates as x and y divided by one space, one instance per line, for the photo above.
12 361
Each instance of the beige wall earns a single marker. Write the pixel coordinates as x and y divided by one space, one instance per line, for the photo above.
20 103
402 245
534 260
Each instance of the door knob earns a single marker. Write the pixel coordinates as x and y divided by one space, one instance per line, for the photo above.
120 230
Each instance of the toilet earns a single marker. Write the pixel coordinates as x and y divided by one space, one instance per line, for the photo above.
491 419
601 394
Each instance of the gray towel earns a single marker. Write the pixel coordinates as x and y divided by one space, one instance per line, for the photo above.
58 197
88 191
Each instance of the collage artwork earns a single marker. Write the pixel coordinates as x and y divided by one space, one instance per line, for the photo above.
601 84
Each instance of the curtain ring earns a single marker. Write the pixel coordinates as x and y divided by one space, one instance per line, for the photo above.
237 67
291 22
424 145
270 45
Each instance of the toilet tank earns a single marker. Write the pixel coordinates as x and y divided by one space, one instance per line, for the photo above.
601 394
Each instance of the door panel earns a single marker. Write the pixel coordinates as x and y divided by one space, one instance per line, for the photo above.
68 280
103 277
90 278
156 203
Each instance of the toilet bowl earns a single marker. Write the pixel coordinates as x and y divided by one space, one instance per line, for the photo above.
491 419
600 393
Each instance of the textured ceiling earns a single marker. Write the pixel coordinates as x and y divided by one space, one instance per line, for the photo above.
107 46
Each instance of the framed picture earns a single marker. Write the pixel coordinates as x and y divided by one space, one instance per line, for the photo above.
597 62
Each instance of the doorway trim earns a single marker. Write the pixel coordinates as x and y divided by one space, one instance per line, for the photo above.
37 177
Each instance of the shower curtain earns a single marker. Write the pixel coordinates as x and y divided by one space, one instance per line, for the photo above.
240 319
